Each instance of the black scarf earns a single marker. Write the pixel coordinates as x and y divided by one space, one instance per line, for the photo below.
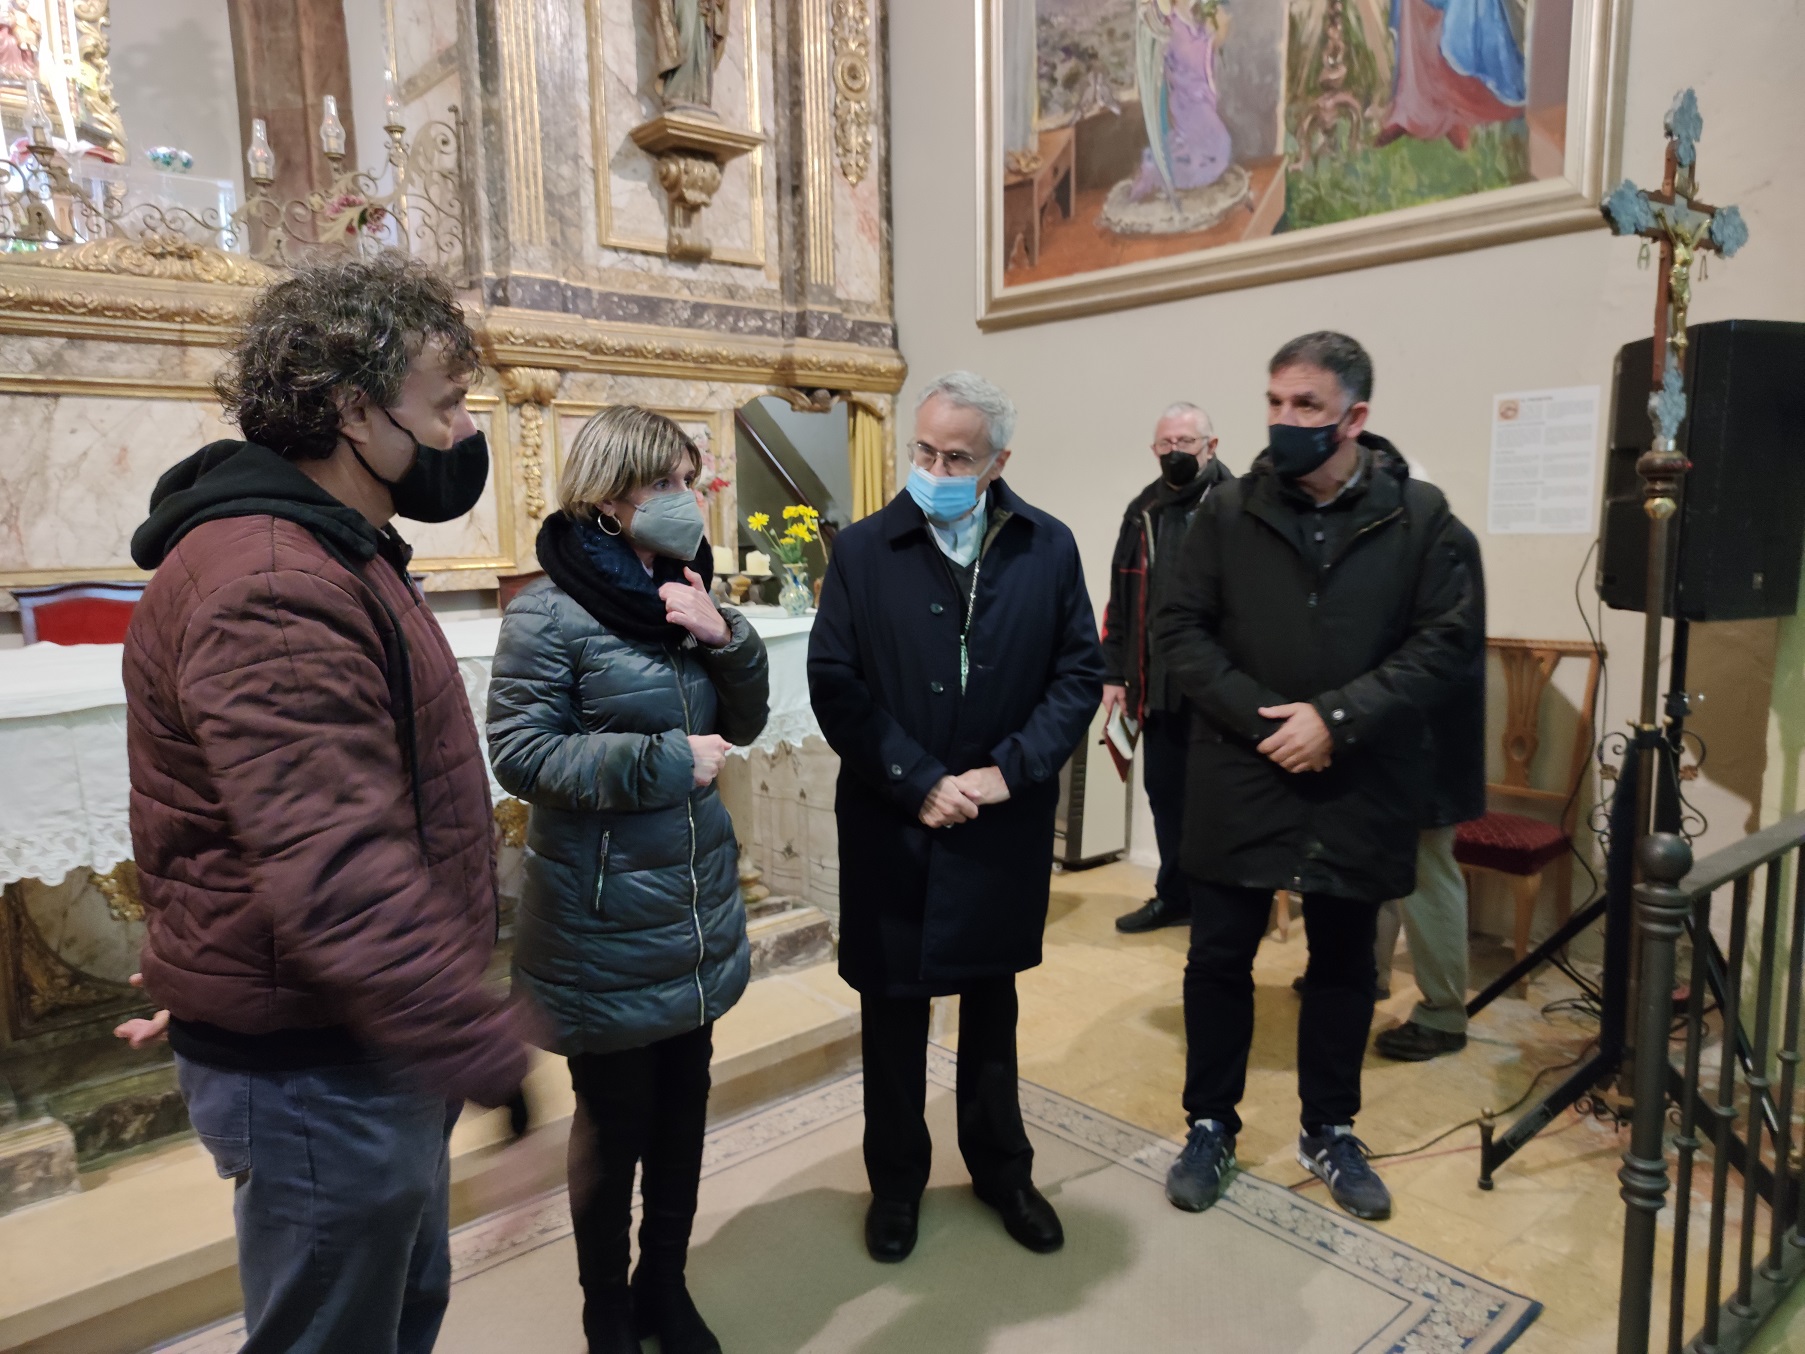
603 575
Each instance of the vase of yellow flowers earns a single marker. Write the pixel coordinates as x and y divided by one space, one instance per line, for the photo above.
802 527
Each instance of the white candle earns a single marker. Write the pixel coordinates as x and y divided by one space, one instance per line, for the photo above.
724 562
758 565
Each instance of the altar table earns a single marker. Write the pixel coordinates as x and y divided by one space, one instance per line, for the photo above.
63 776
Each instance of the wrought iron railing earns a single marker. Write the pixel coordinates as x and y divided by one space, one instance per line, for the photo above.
1754 1176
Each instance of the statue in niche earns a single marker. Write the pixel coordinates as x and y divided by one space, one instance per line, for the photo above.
692 36
20 36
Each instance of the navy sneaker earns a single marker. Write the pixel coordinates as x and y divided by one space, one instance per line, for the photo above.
1337 1158
1203 1168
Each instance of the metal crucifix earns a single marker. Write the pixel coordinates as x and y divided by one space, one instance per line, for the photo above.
1686 229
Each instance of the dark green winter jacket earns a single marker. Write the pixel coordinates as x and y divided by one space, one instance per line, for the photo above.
631 928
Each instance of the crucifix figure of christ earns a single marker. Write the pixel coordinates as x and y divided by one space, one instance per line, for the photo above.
1685 229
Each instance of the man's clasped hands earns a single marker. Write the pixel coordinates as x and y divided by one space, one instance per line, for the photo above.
957 799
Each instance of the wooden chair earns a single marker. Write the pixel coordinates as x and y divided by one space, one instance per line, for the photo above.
1519 847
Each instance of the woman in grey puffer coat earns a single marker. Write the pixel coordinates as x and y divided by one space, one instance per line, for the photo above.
619 687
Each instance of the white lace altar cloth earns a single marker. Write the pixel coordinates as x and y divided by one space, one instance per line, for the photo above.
63 777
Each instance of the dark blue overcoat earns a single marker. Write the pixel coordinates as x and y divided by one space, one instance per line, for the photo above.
924 910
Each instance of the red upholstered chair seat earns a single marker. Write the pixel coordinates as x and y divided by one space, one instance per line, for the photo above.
77 613
1509 843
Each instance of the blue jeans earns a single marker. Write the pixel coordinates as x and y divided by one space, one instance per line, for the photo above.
343 1204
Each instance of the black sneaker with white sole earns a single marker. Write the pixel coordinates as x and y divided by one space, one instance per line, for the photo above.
1203 1168
1337 1158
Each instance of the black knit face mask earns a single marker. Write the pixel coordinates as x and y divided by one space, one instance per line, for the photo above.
1297 451
443 483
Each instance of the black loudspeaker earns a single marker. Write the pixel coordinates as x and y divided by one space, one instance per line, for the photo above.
1741 523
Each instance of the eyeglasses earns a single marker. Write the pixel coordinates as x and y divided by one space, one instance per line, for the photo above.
1179 444
956 462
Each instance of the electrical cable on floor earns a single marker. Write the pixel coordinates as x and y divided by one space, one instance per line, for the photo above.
1446 1133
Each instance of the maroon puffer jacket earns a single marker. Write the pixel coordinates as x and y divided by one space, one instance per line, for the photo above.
288 880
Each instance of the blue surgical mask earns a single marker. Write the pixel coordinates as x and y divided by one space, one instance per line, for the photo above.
943 499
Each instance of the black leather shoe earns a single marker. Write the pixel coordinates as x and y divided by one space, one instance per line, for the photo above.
1028 1217
1414 1043
1151 915
891 1226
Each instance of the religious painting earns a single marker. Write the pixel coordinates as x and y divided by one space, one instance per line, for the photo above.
1141 150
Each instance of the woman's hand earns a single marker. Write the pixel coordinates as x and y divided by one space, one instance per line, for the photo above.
689 605
710 751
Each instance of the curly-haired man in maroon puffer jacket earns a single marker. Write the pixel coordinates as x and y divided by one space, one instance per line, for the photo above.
310 810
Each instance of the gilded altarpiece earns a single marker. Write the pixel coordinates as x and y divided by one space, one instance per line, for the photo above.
565 258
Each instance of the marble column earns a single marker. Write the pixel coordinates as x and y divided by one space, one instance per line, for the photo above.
288 55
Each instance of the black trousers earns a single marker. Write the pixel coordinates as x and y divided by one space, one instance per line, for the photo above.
1337 1014
638 1107
898 1149
1164 740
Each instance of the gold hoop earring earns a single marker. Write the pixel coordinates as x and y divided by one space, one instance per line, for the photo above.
602 521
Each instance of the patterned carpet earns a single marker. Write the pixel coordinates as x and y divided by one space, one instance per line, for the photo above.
778 1266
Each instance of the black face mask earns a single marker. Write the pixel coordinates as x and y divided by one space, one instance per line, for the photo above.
1297 451
443 483
1179 467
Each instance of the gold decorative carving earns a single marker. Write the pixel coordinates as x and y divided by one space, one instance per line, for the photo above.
44 984
160 256
96 74
39 300
690 149
532 388
119 886
817 141
510 822
815 401
852 87
644 351
522 151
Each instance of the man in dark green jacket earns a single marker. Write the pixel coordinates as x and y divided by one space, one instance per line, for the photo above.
1317 612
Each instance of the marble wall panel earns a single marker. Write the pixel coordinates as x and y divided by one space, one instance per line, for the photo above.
859 273
77 481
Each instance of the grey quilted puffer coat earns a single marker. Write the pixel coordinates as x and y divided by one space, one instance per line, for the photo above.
631 928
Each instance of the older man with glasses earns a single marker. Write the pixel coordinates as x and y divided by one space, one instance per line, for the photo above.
954 667
1135 681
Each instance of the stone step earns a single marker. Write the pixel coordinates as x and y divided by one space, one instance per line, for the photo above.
790 938
145 1252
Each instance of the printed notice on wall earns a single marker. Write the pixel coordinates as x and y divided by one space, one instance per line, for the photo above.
1544 462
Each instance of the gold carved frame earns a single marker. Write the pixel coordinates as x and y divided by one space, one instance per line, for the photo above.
598 104
199 392
1595 79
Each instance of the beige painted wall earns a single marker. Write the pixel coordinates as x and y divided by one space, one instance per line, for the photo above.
1446 333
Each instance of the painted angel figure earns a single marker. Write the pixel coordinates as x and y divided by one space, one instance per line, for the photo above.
1175 70
691 38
